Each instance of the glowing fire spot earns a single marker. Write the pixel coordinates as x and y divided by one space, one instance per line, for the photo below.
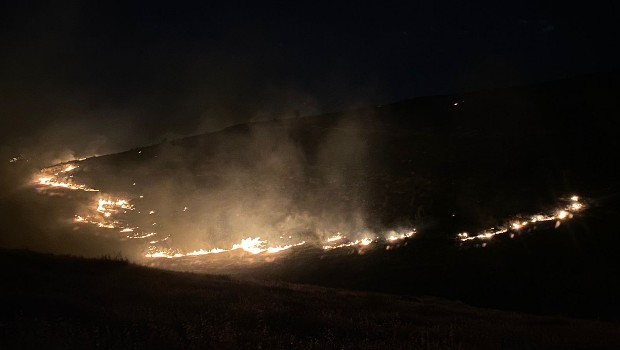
335 237
58 177
251 245
106 205
69 168
164 254
205 252
363 242
142 235
281 248
558 216
55 183
394 236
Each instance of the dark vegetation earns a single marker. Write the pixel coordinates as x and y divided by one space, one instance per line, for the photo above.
571 270
65 302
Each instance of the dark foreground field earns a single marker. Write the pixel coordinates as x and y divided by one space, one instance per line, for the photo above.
64 302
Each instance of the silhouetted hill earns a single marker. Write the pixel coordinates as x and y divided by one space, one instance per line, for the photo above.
65 302
441 164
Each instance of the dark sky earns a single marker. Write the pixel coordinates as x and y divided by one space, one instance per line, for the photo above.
101 76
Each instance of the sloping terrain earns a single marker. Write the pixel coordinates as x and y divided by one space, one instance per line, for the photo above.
568 270
481 155
440 165
64 302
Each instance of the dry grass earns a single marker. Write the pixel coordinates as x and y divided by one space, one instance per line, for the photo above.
62 302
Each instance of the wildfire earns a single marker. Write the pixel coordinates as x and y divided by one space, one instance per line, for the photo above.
395 236
362 243
108 206
250 245
336 237
516 225
69 167
107 212
390 237
58 177
256 245
205 252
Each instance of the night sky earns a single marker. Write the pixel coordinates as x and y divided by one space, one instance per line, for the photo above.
102 76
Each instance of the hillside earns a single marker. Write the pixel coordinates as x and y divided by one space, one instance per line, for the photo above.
411 163
65 302
431 167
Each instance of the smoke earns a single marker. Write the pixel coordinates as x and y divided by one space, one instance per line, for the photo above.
258 180
79 80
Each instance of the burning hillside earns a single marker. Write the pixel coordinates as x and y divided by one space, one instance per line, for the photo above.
373 178
129 219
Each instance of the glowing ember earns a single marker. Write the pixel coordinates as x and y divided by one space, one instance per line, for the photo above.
562 214
336 237
365 241
58 177
69 168
394 236
164 254
362 242
142 235
251 245
390 236
205 252
54 182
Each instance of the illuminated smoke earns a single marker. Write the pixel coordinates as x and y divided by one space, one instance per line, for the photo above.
109 212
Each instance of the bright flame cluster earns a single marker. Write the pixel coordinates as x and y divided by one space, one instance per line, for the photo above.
103 216
250 245
517 225
107 206
103 212
340 241
257 246
58 176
